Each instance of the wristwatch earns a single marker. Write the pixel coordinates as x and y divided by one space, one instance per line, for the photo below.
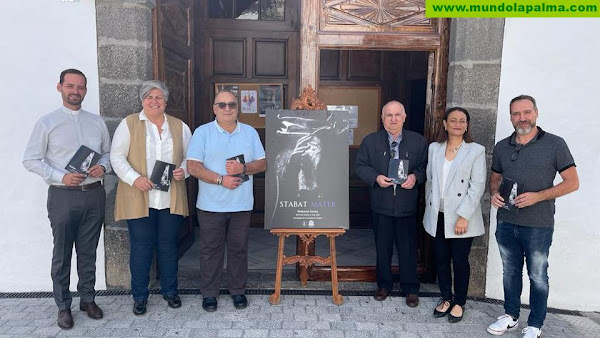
245 169
103 167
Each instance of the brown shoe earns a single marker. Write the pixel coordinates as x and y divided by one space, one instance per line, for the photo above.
381 294
65 319
412 300
93 311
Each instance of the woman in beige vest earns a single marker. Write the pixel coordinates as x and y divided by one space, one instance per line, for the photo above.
154 209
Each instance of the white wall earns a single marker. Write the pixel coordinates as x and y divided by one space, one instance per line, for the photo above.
556 61
40 38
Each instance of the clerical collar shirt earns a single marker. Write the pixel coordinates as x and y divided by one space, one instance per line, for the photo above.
57 136
158 147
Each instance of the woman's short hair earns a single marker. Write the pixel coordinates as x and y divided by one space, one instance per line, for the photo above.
443 135
153 84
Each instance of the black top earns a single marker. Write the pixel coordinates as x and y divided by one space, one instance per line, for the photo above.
535 166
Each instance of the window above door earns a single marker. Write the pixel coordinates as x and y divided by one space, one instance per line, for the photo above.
257 10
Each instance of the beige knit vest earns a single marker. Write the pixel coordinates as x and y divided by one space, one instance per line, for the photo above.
131 203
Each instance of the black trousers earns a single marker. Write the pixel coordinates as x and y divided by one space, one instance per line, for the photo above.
403 232
455 250
217 229
76 217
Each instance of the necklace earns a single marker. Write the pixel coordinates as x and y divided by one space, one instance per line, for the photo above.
454 150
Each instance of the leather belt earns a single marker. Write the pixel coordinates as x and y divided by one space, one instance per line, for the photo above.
86 187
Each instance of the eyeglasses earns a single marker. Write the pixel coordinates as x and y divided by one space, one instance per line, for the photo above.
516 153
393 149
222 105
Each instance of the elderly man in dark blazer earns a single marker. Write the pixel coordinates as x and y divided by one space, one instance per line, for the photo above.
394 206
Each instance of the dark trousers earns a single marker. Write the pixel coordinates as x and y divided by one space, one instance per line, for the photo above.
402 231
216 229
455 250
76 217
157 232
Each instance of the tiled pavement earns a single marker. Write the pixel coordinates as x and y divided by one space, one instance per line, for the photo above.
295 316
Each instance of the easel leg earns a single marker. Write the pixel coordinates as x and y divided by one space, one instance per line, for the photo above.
337 298
274 298
304 270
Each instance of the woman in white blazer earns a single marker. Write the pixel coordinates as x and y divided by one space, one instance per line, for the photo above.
456 176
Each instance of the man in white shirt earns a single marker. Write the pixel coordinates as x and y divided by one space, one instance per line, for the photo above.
75 200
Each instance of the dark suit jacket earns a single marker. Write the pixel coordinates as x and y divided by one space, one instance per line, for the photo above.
373 159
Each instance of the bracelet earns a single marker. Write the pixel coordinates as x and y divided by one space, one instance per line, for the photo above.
220 180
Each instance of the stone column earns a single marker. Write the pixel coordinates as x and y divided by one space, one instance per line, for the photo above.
473 83
124 63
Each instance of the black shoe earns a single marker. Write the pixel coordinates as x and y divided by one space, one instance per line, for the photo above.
65 319
412 300
454 319
139 307
173 300
440 314
381 294
93 311
239 301
209 304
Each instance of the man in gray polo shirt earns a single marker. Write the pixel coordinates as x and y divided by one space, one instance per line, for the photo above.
75 201
531 157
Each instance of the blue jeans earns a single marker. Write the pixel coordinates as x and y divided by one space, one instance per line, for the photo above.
157 231
532 243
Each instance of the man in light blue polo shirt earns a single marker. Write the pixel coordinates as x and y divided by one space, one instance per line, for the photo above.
223 155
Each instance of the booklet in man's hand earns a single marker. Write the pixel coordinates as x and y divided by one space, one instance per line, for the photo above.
398 170
83 160
509 190
240 158
162 175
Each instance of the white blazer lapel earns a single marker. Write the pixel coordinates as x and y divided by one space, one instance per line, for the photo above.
439 158
460 157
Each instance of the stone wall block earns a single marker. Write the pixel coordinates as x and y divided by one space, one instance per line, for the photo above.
119 100
478 39
483 127
478 84
112 123
117 258
116 21
118 62
478 261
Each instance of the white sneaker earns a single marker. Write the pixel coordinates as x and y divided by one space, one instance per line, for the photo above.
503 324
532 332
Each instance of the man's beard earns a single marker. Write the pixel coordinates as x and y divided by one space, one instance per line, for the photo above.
524 130
76 101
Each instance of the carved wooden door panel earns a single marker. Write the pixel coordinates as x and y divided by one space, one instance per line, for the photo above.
173 64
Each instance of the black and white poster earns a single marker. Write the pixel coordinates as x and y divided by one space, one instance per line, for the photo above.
307 176
162 175
83 160
509 190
